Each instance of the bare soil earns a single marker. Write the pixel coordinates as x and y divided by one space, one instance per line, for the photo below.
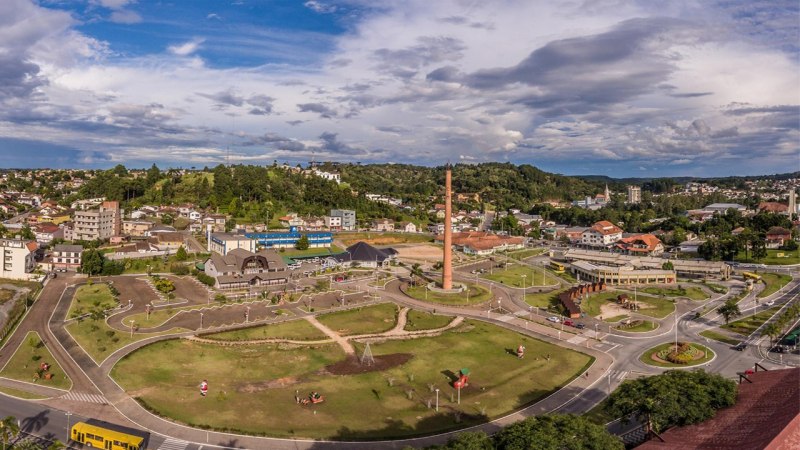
352 366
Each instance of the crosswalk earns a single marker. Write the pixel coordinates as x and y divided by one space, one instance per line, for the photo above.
577 339
173 444
84 397
618 375
506 319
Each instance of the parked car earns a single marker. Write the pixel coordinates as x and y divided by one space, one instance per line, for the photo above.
740 346
778 349
580 326
569 322
554 319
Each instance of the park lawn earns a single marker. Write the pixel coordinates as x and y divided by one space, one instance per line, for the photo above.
725 339
773 281
295 330
716 288
789 257
362 320
543 299
21 394
156 263
6 295
565 276
88 296
375 238
692 292
655 307
22 365
99 340
263 380
747 325
477 295
419 320
643 327
512 276
527 253
646 356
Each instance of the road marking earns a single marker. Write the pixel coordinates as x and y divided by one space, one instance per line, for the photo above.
508 318
576 339
618 375
84 397
173 444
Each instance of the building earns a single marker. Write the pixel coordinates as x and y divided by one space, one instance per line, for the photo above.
634 194
137 228
407 227
601 234
483 243
622 275
365 255
289 239
778 236
684 267
18 258
766 415
642 244
347 217
383 225
773 207
724 207
46 232
67 257
100 223
223 243
792 208
333 223
168 242
241 268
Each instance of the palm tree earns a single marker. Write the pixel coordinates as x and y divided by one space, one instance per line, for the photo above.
56 445
773 331
9 429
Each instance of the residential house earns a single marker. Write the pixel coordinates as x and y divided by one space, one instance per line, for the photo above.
601 234
169 241
18 258
333 223
292 220
483 243
67 257
217 222
643 244
314 223
241 268
383 225
773 207
137 228
46 232
348 218
407 227
778 237
223 243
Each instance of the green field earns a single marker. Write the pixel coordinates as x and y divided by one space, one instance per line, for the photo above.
264 379
747 325
650 306
512 276
543 299
692 292
477 295
92 296
99 340
725 339
156 263
26 360
366 320
645 357
615 319
773 281
772 258
716 288
20 394
419 320
295 330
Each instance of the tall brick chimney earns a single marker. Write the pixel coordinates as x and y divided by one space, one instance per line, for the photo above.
447 268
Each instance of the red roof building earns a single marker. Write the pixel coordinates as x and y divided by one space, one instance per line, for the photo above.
643 244
773 207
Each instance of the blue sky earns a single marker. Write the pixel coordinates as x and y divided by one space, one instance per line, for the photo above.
622 88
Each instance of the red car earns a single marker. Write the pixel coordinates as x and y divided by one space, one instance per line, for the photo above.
569 323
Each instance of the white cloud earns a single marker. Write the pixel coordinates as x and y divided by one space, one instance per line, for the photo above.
125 16
320 7
187 48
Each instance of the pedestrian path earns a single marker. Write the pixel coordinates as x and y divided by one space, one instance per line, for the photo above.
173 444
577 339
506 318
618 375
83 397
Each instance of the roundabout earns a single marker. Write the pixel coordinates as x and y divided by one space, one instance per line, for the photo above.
685 354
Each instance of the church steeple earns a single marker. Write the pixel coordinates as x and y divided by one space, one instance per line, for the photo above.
607 194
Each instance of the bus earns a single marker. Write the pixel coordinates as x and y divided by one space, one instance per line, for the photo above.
109 436
557 267
751 276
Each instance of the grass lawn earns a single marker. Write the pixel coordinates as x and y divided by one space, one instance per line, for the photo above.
716 288
25 362
20 394
747 325
419 320
156 263
369 319
650 306
543 299
692 292
614 319
90 296
162 314
32 285
375 238
527 253
646 356
772 258
263 380
477 294
99 340
719 337
297 330
566 276
512 276
646 325
774 281
6 295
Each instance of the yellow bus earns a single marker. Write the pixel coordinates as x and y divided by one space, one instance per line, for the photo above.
751 276
108 436
557 267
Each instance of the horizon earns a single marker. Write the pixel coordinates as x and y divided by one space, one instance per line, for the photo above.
593 88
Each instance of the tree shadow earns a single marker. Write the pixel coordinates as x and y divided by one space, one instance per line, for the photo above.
35 423
450 375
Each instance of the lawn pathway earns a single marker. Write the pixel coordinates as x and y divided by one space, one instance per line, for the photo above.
344 343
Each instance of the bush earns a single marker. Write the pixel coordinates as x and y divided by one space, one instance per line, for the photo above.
179 269
205 279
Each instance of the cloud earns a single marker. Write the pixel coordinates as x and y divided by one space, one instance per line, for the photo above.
262 105
324 111
320 7
187 48
125 16
226 98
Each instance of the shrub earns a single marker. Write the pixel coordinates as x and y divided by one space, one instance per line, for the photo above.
179 269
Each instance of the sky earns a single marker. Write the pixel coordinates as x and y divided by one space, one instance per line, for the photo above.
620 88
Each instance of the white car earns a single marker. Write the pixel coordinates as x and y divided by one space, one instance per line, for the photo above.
769 302
554 319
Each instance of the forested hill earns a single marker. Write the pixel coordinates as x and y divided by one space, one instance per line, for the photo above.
504 185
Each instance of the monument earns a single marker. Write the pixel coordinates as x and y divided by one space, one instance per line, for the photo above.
447 265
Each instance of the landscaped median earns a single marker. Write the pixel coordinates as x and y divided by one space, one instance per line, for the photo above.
636 326
605 304
477 295
691 292
747 325
719 337
773 282
512 276
33 363
686 354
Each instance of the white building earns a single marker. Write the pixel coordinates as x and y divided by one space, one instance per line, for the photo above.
634 194
601 234
67 257
101 223
348 218
330 176
224 243
18 258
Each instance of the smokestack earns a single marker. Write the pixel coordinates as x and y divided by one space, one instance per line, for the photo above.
208 237
447 267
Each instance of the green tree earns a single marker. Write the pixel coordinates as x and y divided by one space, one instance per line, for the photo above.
729 310
302 243
759 248
181 254
167 219
8 430
668 266
56 445
153 174
468 440
674 398
772 330
556 432
91 262
27 233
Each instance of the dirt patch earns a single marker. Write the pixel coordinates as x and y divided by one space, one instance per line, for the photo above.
612 310
352 366
250 388
425 252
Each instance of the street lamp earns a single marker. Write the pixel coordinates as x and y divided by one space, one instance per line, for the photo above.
437 399
530 313
68 432
595 330
523 286
247 315
201 321
131 328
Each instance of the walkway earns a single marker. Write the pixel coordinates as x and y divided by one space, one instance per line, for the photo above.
344 343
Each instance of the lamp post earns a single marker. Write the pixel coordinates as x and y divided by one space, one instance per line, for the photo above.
201 321
131 328
68 432
247 315
530 313
523 286
595 330
437 399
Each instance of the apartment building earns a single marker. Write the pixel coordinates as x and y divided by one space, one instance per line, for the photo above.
100 223
67 257
18 258
634 194
348 218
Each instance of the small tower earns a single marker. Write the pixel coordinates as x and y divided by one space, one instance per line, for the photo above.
607 194
447 254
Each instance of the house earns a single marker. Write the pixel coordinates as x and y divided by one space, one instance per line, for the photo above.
407 227
347 217
241 268
690 246
67 257
157 229
574 234
777 237
383 225
7 208
773 207
292 220
18 258
483 243
333 223
194 215
168 241
436 228
314 223
365 255
223 243
138 249
46 232
217 222
138 228
643 244
601 234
